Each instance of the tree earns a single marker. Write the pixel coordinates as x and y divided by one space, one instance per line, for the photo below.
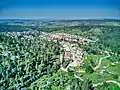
88 67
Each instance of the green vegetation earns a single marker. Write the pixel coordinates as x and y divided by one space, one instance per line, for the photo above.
23 60
107 86
29 61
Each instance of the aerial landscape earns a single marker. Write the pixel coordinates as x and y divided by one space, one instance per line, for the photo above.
59 51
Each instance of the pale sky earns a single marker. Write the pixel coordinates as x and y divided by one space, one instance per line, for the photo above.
59 9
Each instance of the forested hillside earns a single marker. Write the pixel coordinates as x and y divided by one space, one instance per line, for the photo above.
34 57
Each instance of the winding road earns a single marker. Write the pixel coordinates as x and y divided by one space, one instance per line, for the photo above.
109 81
78 77
100 61
95 68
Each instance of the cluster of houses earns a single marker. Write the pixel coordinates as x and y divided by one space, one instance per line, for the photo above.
72 52
70 45
66 37
68 42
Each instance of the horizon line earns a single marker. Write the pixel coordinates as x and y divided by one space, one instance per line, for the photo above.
97 18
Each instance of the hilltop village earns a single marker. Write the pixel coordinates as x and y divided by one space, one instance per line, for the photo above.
69 43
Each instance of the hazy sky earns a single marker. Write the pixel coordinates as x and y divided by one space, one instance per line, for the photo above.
59 9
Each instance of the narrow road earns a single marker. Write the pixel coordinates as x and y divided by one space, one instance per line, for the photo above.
101 61
99 64
109 81
66 69
78 77
80 71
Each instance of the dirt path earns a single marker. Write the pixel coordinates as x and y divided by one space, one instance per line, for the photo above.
109 81
71 64
66 69
78 77
101 61
81 71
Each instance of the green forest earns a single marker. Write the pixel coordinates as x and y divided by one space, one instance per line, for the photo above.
28 62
